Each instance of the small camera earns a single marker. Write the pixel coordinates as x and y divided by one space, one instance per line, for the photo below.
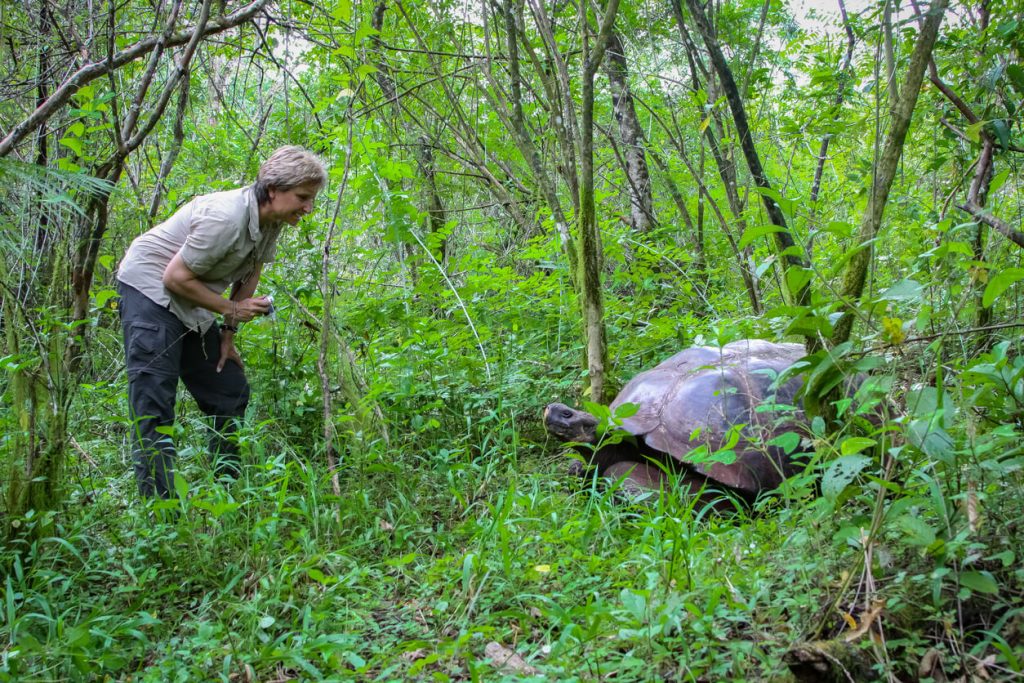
271 312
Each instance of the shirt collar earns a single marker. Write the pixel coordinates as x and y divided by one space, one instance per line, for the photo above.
254 213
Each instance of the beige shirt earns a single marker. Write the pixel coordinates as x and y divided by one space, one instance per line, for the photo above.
220 240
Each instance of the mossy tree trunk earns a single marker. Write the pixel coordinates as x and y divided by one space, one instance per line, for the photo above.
590 248
855 275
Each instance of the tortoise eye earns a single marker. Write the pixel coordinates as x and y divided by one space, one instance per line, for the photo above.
566 414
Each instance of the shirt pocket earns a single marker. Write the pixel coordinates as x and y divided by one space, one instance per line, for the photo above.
147 349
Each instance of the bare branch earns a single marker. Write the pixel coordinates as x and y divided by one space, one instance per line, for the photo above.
1002 227
94 70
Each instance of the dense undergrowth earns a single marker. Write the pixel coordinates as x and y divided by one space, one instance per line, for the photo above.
461 541
434 285
466 540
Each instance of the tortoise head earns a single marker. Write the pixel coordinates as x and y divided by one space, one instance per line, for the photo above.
567 424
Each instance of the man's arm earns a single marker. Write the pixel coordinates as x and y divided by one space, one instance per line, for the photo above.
180 279
244 289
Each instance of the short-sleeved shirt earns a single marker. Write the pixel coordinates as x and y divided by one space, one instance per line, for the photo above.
220 240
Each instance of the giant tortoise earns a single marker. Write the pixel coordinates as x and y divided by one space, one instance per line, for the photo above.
719 397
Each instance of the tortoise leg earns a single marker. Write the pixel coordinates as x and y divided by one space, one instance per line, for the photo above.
693 484
638 477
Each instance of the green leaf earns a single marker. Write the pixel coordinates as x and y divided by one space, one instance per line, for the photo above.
364 70
76 129
635 603
787 442
840 473
764 266
180 486
904 290
467 572
787 205
1002 132
103 296
1016 75
343 11
856 444
810 326
363 32
626 410
979 582
998 181
797 278
933 440
219 508
74 144
400 561
751 234
917 531
839 228
973 131
999 284
1006 557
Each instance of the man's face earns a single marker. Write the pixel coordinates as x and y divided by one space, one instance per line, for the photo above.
291 205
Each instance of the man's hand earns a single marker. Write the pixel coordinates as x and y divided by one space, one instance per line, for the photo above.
245 310
228 351
241 308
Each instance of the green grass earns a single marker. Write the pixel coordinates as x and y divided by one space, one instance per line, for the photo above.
438 548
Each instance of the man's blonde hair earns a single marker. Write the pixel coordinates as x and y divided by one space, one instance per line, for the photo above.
288 167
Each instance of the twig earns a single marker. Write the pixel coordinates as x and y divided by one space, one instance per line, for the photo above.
94 70
1004 228
81 452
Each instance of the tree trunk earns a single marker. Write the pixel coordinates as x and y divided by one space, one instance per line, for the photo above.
726 172
798 289
436 218
638 178
855 275
524 142
590 232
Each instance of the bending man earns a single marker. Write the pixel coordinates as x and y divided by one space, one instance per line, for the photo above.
172 282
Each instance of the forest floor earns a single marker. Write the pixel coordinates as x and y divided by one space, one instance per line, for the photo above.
489 562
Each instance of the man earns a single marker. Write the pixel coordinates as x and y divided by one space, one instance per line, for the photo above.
172 281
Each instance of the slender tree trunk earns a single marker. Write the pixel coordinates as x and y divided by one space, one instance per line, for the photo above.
566 124
436 218
677 198
524 142
726 171
172 154
799 290
638 178
590 232
855 275
844 77
978 196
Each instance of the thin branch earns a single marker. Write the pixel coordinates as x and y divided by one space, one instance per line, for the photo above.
1004 228
172 154
94 70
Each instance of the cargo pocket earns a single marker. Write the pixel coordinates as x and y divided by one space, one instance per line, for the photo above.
147 349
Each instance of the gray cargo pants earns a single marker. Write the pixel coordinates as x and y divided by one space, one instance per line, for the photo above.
159 350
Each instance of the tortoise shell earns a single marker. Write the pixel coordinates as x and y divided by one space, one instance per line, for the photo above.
704 392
